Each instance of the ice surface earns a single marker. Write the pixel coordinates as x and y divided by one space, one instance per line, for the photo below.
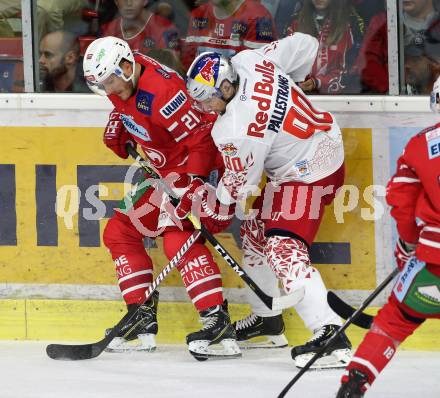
26 372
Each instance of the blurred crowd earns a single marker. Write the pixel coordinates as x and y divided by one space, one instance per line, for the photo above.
352 56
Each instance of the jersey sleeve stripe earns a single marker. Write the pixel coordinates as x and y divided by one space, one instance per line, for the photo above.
405 179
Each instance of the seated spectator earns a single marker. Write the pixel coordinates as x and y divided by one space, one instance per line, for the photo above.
177 11
372 62
140 28
422 62
368 9
168 58
339 30
8 9
418 15
51 14
282 11
227 27
60 66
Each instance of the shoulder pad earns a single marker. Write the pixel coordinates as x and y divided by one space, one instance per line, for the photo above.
428 129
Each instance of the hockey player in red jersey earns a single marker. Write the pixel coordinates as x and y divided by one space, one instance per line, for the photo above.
227 27
414 196
154 111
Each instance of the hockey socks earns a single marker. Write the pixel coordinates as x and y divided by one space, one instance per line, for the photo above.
374 353
134 268
200 274
289 260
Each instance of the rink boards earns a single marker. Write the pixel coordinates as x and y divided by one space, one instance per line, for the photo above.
59 184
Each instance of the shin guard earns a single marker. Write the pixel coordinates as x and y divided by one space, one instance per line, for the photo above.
371 357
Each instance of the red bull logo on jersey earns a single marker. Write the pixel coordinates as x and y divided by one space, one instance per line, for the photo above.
229 149
206 70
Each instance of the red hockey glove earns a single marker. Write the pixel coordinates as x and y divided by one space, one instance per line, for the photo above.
403 252
116 136
201 197
196 187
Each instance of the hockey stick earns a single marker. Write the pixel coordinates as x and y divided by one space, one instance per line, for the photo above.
345 310
274 303
87 351
347 323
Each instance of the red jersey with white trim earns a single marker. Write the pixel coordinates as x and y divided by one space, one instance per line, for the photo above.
160 116
158 32
414 194
250 26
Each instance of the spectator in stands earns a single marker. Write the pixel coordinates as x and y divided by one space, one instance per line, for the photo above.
8 9
418 15
140 28
51 14
422 62
165 10
282 11
168 58
339 30
368 9
227 27
372 62
177 11
60 66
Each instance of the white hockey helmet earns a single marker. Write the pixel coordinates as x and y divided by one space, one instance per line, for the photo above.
102 58
435 96
207 73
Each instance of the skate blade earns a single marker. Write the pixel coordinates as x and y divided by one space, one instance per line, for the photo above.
144 343
276 341
335 360
226 349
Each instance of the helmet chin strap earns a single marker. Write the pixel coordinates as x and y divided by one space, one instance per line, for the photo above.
133 78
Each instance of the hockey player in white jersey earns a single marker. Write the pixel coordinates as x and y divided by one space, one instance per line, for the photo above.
267 124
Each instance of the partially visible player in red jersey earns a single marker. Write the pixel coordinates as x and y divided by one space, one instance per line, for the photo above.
414 196
154 111
227 27
140 28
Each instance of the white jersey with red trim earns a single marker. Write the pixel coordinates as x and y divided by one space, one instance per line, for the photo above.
271 126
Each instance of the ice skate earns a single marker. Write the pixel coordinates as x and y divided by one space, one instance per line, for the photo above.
260 332
338 354
217 338
355 386
140 333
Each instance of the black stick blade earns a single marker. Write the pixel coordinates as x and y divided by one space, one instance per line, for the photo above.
65 352
77 352
346 311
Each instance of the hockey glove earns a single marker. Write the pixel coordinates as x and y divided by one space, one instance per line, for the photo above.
201 197
403 252
116 136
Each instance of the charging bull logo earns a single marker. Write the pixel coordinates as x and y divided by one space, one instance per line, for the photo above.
156 157
208 71
229 149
